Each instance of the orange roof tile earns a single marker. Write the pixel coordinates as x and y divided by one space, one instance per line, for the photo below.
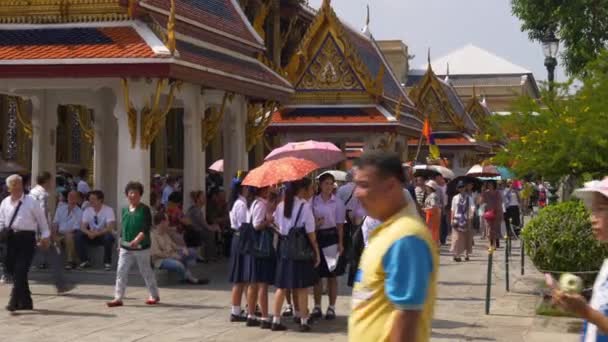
71 43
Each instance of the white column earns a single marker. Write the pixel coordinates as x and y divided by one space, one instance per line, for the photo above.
194 155
235 152
44 142
133 162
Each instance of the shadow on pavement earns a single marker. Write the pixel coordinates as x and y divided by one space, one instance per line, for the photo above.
45 312
466 299
460 337
447 324
178 306
460 283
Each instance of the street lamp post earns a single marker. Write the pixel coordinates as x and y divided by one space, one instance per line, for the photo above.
550 49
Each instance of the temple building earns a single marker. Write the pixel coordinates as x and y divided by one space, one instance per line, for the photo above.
455 124
475 71
128 88
345 91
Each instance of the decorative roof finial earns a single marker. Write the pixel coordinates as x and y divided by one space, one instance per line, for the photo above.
483 100
365 29
171 43
447 73
428 58
326 3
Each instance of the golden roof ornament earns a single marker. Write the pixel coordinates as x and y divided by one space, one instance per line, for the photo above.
366 31
171 43
62 11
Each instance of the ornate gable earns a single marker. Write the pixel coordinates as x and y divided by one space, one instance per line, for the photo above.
329 71
430 97
478 110
328 62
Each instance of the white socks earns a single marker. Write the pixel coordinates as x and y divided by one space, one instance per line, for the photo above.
304 320
276 320
236 310
332 307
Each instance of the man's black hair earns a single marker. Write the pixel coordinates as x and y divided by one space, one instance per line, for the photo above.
388 164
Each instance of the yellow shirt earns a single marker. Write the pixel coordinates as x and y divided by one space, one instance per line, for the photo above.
397 271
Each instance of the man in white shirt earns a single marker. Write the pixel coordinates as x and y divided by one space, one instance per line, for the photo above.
83 186
96 229
20 218
66 222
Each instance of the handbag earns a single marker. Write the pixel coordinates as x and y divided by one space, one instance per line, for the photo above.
5 233
489 215
299 247
263 245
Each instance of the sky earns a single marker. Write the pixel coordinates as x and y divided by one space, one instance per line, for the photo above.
447 25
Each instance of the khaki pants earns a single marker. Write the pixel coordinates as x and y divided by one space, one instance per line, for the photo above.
67 239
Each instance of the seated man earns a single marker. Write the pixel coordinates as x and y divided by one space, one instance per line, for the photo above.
65 223
97 229
165 253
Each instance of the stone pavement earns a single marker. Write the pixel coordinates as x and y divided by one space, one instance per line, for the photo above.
190 313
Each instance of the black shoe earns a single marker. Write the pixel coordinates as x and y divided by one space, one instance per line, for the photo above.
25 307
288 312
266 325
316 313
297 320
277 327
457 259
237 318
252 322
11 308
330 315
466 258
304 328
65 288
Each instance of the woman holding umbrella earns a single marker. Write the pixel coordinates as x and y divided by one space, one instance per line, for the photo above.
295 213
493 213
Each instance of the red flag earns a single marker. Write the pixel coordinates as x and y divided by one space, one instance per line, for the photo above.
426 129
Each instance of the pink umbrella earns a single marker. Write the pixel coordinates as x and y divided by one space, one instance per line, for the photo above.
217 166
324 154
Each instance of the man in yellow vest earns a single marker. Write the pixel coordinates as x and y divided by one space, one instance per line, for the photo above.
395 285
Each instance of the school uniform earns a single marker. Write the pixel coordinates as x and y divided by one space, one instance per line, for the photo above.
240 264
294 274
333 213
264 269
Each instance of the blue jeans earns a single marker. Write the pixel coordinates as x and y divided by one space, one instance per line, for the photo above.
180 266
83 242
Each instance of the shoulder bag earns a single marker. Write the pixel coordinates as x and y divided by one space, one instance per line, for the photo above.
299 247
6 232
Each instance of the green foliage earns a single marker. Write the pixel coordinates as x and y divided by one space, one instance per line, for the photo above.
562 134
581 25
560 239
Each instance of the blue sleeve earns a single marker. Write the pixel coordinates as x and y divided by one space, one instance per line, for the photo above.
408 265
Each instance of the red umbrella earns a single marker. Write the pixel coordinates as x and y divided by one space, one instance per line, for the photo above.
324 154
279 171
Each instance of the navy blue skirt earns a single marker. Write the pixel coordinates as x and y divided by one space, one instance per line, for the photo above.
241 265
292 274
326 238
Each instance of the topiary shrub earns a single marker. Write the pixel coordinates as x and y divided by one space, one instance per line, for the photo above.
560 239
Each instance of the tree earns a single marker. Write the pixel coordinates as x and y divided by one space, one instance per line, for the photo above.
564 134
581 25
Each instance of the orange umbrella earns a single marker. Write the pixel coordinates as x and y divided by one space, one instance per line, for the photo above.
278 171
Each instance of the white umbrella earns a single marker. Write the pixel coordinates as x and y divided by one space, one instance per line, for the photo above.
483 171
442 170
217 166
339 176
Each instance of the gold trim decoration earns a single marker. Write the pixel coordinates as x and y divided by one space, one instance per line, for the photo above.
61 11
259 117
153 117
85 121
398 107
171 42
131 8
326 23
285 36
26 124
260 18
210 125
131 112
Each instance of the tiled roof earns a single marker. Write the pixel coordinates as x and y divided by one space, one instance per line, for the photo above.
329 115
370 54
69 43
221 15
227 63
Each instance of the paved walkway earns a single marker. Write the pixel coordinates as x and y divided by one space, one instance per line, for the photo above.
201 313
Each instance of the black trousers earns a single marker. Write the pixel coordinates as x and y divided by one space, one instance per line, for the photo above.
20 252
512 218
